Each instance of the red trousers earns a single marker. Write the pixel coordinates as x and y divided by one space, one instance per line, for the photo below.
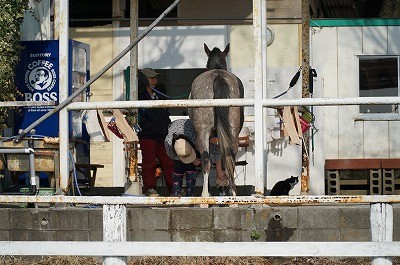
151 152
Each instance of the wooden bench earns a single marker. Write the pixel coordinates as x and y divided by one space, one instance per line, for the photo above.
89 172
381 175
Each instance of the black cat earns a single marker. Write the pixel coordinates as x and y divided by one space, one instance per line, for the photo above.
282 188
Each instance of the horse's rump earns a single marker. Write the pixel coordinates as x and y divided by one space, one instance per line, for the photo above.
227 121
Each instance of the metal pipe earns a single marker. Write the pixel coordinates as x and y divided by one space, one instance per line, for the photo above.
19 137
10 104
16 151
227 200
151 19
183 103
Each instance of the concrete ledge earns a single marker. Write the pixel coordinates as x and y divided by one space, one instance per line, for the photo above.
214 224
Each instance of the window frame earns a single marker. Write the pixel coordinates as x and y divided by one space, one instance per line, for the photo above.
377 116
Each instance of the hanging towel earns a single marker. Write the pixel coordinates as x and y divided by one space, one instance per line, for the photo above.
126 130
291 125
93 127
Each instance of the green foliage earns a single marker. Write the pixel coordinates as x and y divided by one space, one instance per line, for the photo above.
11 17
255 235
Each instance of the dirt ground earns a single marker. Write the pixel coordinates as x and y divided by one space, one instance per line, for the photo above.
193 261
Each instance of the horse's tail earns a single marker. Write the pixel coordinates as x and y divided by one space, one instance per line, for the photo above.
224 131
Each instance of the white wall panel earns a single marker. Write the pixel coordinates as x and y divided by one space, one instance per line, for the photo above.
169 47
393 40
394 139
324 55
349 44
375 40
376 139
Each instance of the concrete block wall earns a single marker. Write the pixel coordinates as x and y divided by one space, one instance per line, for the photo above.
215 224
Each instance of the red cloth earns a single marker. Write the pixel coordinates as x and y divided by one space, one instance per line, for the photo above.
151 152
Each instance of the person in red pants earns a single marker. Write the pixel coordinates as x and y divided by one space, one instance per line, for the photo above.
153 124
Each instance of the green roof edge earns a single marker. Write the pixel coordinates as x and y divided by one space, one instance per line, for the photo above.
359 22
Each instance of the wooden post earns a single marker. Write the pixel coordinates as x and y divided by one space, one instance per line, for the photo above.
114 230
381 228
133 185
305 48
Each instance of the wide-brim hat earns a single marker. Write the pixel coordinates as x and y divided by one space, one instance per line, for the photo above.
184 151
149 72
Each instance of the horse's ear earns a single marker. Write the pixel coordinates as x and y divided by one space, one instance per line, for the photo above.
226 49
206 49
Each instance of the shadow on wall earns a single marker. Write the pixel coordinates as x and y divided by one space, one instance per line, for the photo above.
276 231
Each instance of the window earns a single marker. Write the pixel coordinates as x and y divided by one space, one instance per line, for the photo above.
378 77
177 84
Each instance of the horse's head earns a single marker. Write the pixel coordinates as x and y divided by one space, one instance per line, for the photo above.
216 58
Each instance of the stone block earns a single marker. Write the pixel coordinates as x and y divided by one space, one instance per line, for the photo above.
355 217
78 220
192 218
96 235
37 235
396 234
149 219
287 216
318 217
96 219
72 235
355 235
228 235
5 235
276 231
321 235
238 218
21 219
193 236
396 215
20 235
149 235
4 219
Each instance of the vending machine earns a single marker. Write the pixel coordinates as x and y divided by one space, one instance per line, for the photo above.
37 80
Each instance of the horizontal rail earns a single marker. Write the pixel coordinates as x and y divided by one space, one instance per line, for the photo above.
232 102
267 249
180 201
10 104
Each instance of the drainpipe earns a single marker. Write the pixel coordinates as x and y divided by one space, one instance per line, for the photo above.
33 188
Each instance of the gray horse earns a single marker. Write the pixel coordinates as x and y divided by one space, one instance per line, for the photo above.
223 122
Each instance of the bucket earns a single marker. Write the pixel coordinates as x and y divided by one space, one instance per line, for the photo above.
305 125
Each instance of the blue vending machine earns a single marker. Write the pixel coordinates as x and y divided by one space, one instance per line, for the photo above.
37 79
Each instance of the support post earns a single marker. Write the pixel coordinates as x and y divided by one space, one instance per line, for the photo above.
305 56
260 58
381 228
63 92
133 185
114 230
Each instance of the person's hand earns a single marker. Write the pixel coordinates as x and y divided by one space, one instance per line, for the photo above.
197 162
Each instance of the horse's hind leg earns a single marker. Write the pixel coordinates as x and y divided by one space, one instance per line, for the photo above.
206 166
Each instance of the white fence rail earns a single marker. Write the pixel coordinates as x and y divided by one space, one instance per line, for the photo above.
115 249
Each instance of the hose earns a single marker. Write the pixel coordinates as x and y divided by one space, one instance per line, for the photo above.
74 172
